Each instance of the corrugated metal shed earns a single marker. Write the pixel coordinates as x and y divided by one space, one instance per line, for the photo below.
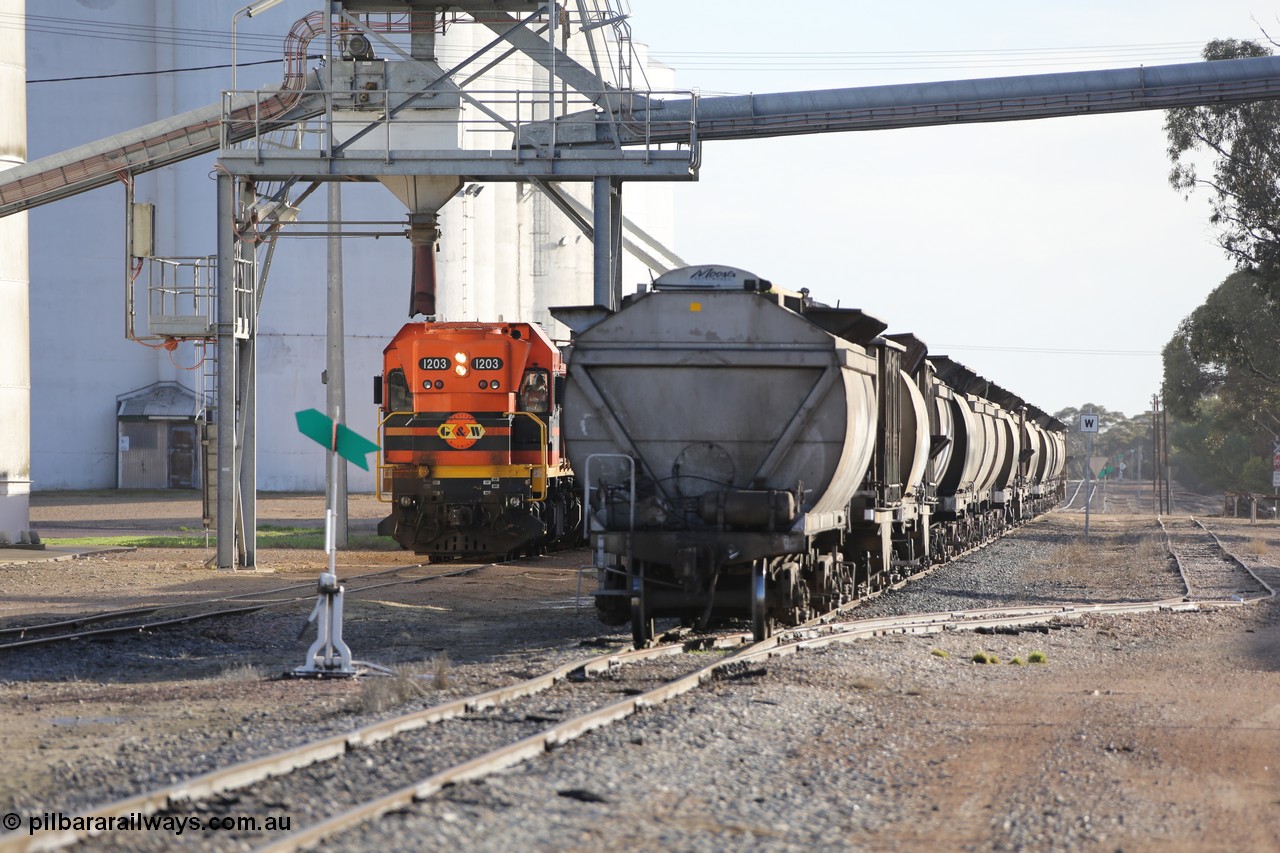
161 401
159 441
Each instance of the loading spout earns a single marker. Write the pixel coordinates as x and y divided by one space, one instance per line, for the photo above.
424 236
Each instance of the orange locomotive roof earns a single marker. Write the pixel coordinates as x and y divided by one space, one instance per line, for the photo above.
474 331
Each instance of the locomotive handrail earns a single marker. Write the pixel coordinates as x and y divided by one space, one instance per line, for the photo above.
546 456
382 466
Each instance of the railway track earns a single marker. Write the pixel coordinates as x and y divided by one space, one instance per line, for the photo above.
333 785
117 622
1135 497
380 768
1209 571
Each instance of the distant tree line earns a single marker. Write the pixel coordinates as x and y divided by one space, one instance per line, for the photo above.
1120 440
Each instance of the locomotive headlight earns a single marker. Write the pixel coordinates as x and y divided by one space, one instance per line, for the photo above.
513 501
460 357
460 370
406 501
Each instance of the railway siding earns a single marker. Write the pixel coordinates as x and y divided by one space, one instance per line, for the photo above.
859 742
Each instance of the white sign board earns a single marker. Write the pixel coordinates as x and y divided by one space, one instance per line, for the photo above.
1089 423
1275 479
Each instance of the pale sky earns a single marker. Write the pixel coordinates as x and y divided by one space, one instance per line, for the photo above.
1050 256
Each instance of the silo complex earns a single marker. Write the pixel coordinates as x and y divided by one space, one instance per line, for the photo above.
15 372
505 250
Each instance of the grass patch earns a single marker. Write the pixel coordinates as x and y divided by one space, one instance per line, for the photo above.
269 536
1017 661
1119 554
1255 547
1037 657
940 653
980 657
440 671
1079 550
404 684
240 671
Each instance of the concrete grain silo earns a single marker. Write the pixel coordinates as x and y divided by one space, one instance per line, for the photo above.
504 251
15 372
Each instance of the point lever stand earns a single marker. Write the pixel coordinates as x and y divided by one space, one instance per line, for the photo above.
328 655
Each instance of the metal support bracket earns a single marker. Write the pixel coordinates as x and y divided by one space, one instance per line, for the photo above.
328 655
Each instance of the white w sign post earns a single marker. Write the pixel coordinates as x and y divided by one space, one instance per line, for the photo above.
1088 426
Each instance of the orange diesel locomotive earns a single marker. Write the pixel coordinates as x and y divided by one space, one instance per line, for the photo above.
472 457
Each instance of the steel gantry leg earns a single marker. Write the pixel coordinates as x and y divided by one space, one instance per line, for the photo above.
236 395
226 397
607 223
247 438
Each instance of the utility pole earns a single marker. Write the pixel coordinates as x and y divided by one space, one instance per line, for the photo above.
335 366
1275 476
1155 454
1164 450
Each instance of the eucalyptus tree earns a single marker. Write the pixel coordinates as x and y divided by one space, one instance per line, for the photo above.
1242 143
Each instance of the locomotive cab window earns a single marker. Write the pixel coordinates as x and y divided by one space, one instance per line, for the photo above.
535 392
398 397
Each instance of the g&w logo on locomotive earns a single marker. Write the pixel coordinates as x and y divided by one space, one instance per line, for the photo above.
473 460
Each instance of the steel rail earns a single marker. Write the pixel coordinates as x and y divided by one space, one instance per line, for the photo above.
1271 592
1188 591
1221 549
105 616
965 621
807 636
277 764
568 730
281 763
139 627
135 628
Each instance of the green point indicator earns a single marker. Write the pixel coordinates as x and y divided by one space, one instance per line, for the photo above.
351 446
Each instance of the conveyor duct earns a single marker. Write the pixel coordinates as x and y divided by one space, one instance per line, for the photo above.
949 102
152 146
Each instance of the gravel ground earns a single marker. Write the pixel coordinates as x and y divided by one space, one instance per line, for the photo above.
1139 732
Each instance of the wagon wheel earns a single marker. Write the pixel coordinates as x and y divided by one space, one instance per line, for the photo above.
642 632
761 625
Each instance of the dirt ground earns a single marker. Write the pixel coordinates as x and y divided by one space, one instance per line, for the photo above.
1187 715
177 511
